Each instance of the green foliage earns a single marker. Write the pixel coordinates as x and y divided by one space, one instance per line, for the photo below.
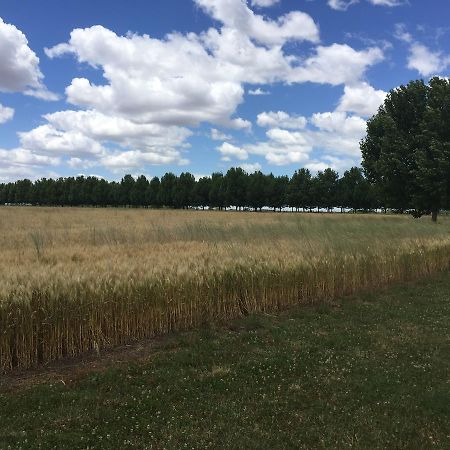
236 188
406 153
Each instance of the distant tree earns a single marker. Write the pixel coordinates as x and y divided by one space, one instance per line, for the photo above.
166 190
152 193
276 191
138 191
406 152
217 191
355 191
299 189
201 192
101 192
325 186
236 187
23 191
256 187
126 187
183 190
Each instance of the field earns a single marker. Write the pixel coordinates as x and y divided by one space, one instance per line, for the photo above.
367 372
80 280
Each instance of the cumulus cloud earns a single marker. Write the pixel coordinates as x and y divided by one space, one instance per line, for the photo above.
425 61
118 130
282 147
264 3
258 91
343 5
335 133
229 151
138 159
173 81
186 80
390 3
361 99
22 163
47 139
280 119
402 34
250 167
235 14
6 113
217 135
19 70
336 64
333 162
421 58
155 90
338 132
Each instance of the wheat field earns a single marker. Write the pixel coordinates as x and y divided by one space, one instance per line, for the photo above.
75 280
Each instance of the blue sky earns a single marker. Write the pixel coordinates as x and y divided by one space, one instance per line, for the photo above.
110 87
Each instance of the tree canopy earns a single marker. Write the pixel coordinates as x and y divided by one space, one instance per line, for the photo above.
406 153
234 189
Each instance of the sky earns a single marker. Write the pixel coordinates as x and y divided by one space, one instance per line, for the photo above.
109 88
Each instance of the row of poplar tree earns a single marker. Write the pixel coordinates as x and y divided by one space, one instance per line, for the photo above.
236 188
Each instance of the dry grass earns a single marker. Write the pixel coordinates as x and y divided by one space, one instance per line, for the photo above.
76 280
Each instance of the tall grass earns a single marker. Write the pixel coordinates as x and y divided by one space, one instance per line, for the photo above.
108 277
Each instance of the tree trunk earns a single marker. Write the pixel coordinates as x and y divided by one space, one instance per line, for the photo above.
434 215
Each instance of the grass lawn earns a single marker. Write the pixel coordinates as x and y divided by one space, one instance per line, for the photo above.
371 371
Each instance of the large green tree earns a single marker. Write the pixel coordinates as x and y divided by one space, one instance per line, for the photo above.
406 152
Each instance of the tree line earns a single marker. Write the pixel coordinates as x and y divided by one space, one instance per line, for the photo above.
235 188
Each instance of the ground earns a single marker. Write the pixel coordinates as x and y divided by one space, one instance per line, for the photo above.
370 371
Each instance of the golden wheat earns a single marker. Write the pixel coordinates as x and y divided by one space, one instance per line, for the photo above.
81 279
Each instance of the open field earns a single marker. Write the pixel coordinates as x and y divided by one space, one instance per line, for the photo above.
77 280
368 372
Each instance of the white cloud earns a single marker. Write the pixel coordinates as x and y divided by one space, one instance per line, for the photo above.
336 64
20 156
425 61
228 151
336 133
217 135
343 5
138 159
280 119
77 163
287 138
390 3
235 14
401 33
328 161
361 99
258 91
155 89
118 130
19 68
19 163
264 3
250 167
6 113
47 139
173 81
282 147
421 58
187 80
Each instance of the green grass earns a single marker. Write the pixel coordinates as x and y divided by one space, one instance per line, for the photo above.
367 372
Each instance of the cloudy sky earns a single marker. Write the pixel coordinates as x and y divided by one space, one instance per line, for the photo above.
112 87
